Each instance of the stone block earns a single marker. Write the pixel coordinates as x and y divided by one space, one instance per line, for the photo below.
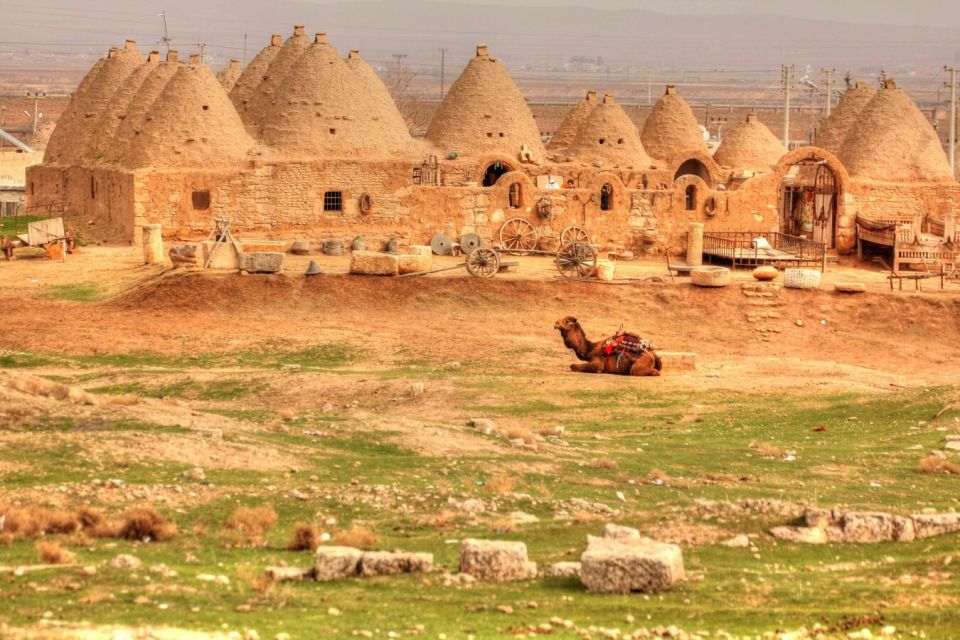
936 524
261 262
334 563
414 263
849 287
562 570
619 532
626 565
225 256
372 263
388 563
496 560
867 526
287 574
421 250
258 246
710 276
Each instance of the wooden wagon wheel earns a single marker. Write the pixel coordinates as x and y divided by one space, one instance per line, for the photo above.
573 234
518 234
576 260
483 263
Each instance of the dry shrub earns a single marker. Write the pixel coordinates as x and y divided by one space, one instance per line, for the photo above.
554 432
766 450
584 517
657 475
503 525
515 433
51 553
249 524
357 537
33 520
936 464
441 520
143 523
500 483
6 539
602 463
286 414
306 537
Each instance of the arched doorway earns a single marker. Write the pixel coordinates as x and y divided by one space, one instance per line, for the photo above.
493 172
606 197
693 167
808 202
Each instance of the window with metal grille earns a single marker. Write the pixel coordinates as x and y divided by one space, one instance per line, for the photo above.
201 200
333 201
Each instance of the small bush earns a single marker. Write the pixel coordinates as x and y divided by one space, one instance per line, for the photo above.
500 483
657 475
766 450
306 537
515 433
602 463
936 464
503 525
51 553
356 537
143 523
247 525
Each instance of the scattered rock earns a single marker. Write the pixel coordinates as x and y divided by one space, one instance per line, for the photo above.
126 561
388 563
496 560
261 262
618 532
288 574
520 517
737 542
562 570
483 425
197 473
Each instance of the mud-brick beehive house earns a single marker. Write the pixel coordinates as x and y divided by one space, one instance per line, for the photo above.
305 143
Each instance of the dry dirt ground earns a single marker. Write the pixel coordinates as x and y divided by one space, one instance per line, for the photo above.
221 371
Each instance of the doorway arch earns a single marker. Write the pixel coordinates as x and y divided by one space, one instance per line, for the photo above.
606 197
693 167
493 172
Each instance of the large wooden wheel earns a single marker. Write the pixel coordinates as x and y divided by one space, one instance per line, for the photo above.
518 235
573 234
576 260
483 263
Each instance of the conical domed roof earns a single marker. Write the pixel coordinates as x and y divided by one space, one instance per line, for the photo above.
383 107
75 133
192 124
484 112
834 129
324 107
127 133
750 146
671 131
253 75
567 130
111 118
609 135
266 96
892 141
229 75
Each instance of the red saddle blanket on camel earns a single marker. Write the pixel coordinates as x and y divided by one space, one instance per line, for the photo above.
622 344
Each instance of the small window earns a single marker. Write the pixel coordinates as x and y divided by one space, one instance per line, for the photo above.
201 200
501 134
490 134
620 141
333 132
606 198
333 201
515 194
603 141
32 191
691 198
93 188
206 107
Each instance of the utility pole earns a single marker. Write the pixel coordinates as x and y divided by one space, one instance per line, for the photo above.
399 58
165 40
203 51
36 115
829 73
443 70
719 121
244 50
952 142
787 80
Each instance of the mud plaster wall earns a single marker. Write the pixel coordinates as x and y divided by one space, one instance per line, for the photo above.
97 203
879 200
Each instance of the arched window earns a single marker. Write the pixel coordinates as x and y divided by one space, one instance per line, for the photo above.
493 173
606 197
515 195
691 199
693 167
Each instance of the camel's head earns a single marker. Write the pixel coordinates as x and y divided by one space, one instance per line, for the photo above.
565 325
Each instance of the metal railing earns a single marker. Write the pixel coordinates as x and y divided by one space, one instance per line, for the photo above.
741 248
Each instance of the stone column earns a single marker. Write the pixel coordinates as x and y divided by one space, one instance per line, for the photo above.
695 244
152 244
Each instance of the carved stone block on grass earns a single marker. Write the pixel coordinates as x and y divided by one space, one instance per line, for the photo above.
626 565
334 563
496 560
388 563
371 263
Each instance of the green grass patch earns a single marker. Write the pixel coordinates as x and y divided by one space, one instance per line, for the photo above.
80 292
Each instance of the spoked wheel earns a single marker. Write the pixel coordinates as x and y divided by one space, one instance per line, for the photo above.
517 235
573 234
483 263
576 260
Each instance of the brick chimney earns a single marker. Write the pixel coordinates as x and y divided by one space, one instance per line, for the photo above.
276 40
591 96
671 90
483 51
153 56
608 98
173 55
234 63
298 30
194 58
320 38
353 55
113 52
130 45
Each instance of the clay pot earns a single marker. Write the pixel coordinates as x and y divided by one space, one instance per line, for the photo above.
766 273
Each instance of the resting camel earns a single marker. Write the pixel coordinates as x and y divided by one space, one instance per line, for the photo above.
599 357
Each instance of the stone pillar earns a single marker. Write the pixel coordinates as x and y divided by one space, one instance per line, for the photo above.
152 244
695 244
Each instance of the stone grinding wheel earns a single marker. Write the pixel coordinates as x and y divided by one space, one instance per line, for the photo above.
706 276
469 243
441 244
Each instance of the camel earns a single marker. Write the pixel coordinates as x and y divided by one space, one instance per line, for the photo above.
598 359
